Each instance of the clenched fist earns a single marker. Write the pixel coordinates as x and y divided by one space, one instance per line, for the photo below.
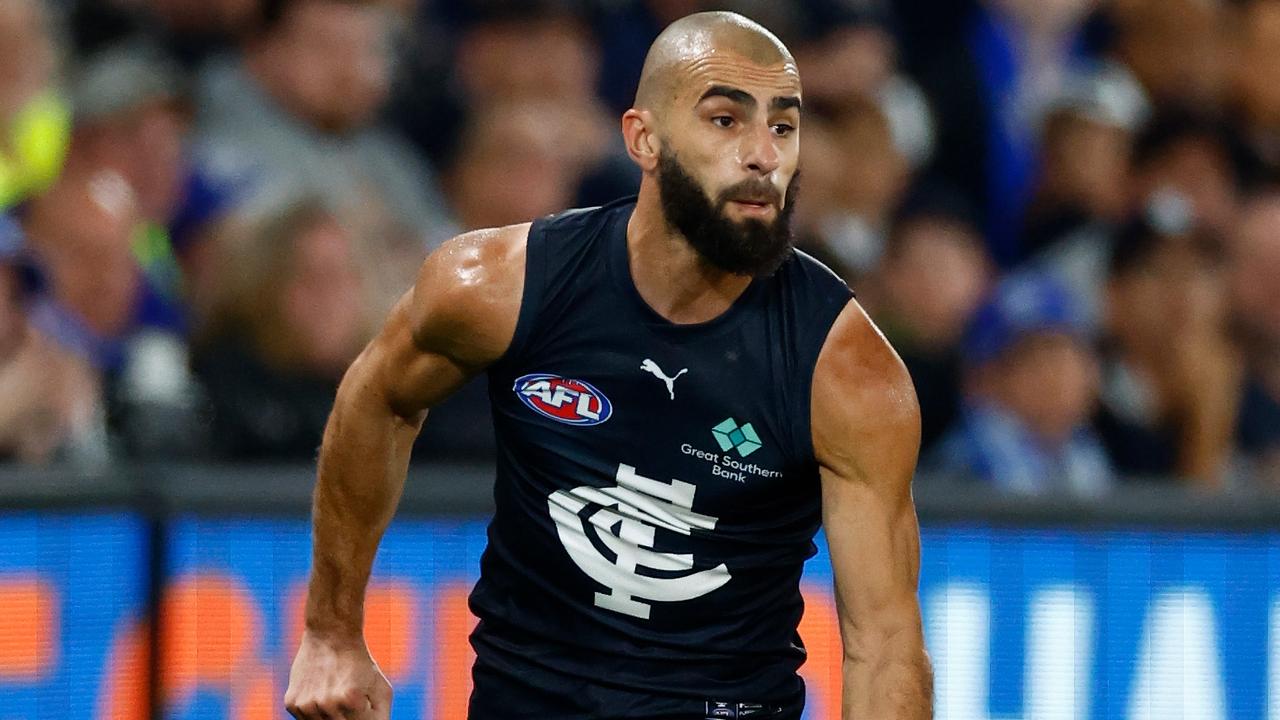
336 681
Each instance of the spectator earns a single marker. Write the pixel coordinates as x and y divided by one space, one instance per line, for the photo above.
991 92
1084 166
850 52
1172 381
855 177
50 406
290 317
511 166
301 103
81 231
129 121
542 51
1083 189
35 121
935 273
1031 383
1190 153
1254 268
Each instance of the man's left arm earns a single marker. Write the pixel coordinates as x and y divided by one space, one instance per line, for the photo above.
866 436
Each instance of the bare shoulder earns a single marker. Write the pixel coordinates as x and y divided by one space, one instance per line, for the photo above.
467 296
864 408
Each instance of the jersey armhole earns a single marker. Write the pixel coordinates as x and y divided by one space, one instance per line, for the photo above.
531 294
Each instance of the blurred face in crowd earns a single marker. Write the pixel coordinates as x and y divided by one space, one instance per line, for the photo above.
1199 169
1179 290
83 237
1254 268
1049 380
27 55
1086 163
934 276
721 110
875 172
513 167
321 297
1258 68
552 58
145 145
1177 48
329 62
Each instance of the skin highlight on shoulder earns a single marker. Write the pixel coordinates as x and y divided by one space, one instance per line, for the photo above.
468 293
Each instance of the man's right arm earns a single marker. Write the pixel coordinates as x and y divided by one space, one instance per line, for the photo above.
459 317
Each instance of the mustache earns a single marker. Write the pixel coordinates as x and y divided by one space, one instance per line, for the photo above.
756 191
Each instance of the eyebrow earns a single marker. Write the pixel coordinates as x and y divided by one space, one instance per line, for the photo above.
744 98
785 103
741 97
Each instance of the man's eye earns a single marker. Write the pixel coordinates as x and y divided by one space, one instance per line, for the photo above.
723 121
782 129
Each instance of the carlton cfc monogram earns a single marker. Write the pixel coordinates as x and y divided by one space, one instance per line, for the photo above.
625 519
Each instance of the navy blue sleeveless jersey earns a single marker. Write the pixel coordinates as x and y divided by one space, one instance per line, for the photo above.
656 494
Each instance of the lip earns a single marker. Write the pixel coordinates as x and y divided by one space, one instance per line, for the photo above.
759 207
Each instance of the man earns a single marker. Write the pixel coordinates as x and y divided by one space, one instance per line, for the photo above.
298 108
1032 384
680 398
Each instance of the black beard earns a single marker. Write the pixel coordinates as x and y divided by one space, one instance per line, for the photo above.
750 247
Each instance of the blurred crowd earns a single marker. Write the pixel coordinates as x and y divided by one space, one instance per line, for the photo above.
1065 214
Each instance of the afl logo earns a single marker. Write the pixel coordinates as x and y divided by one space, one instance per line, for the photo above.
572 402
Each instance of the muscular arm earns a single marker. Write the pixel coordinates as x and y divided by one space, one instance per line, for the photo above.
866 433
459 317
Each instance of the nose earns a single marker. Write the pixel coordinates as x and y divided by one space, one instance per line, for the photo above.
760 152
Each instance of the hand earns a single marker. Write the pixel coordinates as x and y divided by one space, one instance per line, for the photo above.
1206 393
336 681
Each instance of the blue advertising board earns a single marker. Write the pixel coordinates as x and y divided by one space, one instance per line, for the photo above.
1020 623
72 604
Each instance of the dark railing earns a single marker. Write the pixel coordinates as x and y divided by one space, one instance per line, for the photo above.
466 489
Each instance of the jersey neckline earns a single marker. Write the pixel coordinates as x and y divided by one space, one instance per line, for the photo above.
620 271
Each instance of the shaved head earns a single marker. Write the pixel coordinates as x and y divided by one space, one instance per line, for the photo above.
695 39
716 129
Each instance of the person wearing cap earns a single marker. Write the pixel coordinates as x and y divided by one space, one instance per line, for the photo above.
1031 382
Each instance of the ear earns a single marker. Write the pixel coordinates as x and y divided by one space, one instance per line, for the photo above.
643 145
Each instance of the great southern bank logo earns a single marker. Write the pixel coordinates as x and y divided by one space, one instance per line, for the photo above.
572 402
732 436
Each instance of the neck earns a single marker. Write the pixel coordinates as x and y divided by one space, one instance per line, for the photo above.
669 274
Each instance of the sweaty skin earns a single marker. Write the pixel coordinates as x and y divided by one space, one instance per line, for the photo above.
461 315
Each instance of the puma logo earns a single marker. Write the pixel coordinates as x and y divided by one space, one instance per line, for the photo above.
650 366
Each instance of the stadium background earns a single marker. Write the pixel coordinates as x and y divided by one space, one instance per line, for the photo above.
1063 213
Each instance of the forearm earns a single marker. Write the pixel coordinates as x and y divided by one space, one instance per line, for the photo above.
891 681
362 467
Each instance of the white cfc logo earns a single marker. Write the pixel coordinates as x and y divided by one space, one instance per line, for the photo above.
624 520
